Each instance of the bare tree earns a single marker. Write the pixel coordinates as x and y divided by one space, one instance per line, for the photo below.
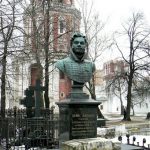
8 42
136 53
93 28
98 42
118 86
44 36
140 92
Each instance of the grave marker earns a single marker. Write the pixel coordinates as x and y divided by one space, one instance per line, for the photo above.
37 92
28 102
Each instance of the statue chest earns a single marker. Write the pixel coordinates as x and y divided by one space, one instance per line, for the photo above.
80 72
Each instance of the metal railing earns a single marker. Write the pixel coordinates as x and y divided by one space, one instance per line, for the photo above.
18 130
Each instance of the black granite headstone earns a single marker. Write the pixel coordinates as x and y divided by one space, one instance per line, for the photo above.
28 102
101 122
78 119
38 88
148 115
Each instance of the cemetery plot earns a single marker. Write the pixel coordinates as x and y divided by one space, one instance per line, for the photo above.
18 130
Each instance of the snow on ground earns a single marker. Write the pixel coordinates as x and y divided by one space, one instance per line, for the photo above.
139 138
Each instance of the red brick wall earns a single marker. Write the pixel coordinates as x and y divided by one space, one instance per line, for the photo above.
34 72
64 84
64 88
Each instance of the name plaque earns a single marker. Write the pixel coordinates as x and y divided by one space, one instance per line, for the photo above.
83 123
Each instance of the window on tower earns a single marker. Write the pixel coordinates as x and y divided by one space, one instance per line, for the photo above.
62 26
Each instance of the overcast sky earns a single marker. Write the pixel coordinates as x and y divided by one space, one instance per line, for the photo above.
116 12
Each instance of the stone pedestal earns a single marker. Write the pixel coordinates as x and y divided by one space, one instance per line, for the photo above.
91 144
78 119
101 122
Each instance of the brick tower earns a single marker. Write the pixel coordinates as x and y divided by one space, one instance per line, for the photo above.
63 20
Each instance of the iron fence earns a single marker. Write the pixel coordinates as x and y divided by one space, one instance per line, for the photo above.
18 130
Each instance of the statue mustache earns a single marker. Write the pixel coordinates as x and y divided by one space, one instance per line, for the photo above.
82 50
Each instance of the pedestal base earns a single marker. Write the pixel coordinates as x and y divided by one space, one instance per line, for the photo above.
78 119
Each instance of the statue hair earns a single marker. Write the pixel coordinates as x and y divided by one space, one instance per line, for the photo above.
75 35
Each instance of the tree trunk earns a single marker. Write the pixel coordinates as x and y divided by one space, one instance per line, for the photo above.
122 107
129 99
3 84
46 48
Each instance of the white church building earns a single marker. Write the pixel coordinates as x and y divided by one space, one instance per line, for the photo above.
112 96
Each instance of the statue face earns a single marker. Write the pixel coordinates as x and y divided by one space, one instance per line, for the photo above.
78 46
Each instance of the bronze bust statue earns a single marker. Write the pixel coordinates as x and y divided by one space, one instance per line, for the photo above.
76 66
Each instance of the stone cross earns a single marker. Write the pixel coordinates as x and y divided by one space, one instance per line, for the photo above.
38 89
28 101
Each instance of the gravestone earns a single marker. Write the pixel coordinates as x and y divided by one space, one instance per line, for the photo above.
33 99
78 117
38 99
36 127
148 115
28 102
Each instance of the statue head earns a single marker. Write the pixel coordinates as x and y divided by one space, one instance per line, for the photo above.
78 45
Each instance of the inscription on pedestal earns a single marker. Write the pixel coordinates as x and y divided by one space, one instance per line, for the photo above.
83 124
